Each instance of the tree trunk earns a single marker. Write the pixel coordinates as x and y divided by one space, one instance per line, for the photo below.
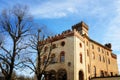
8 77
39 77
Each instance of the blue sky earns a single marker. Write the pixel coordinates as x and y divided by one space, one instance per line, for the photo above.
102 17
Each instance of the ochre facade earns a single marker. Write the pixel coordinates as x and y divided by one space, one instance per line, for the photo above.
75 56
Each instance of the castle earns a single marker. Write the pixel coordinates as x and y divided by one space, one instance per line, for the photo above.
75 56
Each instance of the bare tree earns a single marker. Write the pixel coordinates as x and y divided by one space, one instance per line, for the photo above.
1 39
37 47
15 25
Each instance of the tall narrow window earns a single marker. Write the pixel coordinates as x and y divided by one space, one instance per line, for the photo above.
53 59
92 46
99 58
88 68
98 49
87 43
108 53
80 58
93 55
108 61
80 45
102 51
87 53
62 56
94 71
103 59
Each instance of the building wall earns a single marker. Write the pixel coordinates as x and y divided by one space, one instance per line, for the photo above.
97 59
103 64
68 65
79 50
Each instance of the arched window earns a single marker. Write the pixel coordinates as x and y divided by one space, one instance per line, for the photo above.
52 75
62 56
62 74
54 46
81 75
62 43
53 60
88 68
94 71
98 49
99 58
80 58
80 45
102 51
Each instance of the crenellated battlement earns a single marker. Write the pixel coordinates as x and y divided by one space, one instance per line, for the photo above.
63 35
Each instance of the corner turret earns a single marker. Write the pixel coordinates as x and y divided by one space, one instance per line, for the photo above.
81 27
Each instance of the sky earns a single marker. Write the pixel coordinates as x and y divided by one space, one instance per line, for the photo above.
102 17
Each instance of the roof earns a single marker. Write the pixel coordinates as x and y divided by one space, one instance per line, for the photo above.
100 44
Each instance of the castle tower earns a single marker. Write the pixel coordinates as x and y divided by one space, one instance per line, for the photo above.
81 27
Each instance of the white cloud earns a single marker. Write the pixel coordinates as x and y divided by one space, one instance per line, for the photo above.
54 9
113 29
63 8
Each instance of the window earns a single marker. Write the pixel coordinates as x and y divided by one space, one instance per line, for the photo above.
87 43
53 60
108 61
54 46
88 68
102 51
101 73
94 71
80 45
111 73
93 55
80 58
107 53
62 43
106 74
87 53
99 58
98 49
103 59
92 46
62 56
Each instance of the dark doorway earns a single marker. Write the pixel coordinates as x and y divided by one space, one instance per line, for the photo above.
52 75
81 75
62 74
